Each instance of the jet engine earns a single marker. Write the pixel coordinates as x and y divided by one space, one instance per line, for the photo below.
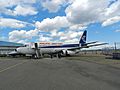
67 52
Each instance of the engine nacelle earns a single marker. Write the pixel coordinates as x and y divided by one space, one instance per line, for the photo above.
67 52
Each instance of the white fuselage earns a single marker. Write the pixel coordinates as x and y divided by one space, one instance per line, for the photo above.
31 51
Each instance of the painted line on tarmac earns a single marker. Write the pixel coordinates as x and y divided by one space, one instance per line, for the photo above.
10 67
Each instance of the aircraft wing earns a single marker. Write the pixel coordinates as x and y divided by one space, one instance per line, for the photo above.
75 48
14 53
86 46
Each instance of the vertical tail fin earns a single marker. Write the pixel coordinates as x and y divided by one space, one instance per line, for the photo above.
83 39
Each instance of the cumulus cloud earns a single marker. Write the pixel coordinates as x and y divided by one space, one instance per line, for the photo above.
114 9
17 7
77 27
44 38
54 33
24 10
13 23
112 13
10 3
111 21
117 30
86 11
22 35
79 14
69 35
54 25
54 5
51 24
91 11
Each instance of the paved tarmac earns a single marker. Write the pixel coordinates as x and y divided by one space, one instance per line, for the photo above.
57 74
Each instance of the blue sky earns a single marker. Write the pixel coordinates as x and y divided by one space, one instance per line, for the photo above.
59 20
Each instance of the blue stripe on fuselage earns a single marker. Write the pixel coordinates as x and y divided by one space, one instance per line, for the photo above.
61 46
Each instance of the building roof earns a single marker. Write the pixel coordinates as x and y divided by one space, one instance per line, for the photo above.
10 44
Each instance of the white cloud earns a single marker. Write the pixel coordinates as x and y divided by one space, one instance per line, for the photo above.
10 3
43 38
79 13
22 35
91 11
69 35
86 11
54 5
24 10
112 13
77 27
51 24
61 33
23 7
114 9
117 30
13 23
111 21
54 33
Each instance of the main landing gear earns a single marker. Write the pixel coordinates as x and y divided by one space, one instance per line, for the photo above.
58 55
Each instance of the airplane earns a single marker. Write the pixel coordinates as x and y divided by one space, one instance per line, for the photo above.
58 50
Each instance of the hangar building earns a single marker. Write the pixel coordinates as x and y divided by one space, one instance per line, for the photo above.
7 47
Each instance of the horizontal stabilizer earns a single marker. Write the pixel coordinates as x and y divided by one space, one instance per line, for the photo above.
13 53
96 45
92 42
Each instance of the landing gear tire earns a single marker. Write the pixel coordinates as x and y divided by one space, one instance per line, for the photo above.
59 55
